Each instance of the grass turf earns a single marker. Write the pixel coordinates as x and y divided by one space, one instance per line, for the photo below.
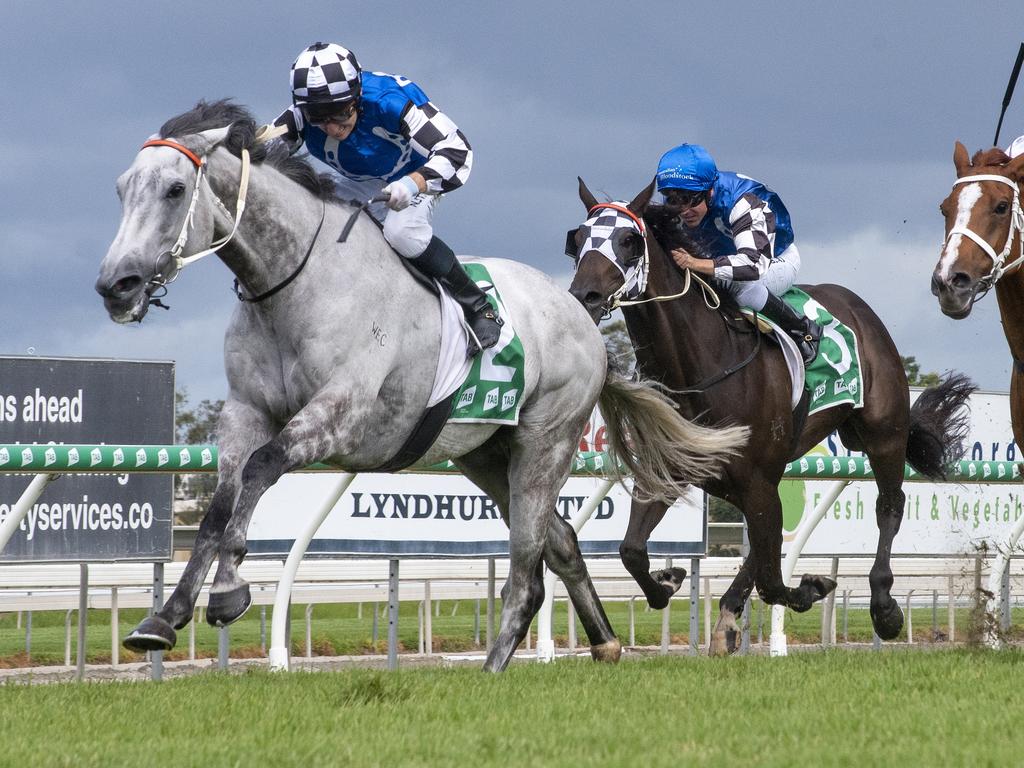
837 708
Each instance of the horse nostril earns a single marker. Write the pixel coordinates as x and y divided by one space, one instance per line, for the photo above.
936 284
960 280
592 299
126 286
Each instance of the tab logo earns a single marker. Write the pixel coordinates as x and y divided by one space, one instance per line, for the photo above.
26 456
140 457
467 397
50 457
5 457
508 400
95 457
162 457
207 457
184 457
491 399
118 457
73 457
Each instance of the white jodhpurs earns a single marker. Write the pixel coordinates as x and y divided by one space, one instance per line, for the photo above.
778 278
409 230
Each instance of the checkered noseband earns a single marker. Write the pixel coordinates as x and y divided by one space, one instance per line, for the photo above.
608 231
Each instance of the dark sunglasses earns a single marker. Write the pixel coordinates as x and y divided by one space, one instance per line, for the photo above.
339 115
685 198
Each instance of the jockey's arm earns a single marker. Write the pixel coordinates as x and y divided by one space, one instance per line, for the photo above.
435 136
753 225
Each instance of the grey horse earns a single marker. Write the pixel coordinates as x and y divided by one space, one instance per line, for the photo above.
332 357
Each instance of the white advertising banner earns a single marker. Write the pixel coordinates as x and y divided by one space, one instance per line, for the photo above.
938 519
441 515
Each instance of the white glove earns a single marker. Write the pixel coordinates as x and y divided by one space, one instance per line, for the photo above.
400 193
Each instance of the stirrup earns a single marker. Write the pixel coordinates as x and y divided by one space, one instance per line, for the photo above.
489 320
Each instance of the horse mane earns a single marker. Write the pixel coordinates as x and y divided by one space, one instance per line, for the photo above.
986 157
217 114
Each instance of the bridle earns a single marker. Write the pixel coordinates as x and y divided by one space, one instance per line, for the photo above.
615 300
179 262
999 267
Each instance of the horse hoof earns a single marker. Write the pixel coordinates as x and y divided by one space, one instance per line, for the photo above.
228 607
153 634
732 641
888 620
670 578
609 652
821 586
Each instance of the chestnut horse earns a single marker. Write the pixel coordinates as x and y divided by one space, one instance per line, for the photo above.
984 221
716 367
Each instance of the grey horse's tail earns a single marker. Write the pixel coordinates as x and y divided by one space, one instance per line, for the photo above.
663 451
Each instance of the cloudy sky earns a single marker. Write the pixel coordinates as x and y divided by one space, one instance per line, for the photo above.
848 110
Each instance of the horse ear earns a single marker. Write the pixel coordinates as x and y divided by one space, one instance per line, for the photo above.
202 143
639 203
960 159
586 196
1015 168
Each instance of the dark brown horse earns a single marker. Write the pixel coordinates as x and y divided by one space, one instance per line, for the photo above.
983 245
719 370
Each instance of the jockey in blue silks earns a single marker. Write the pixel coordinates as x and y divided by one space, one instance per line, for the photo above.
746 230
381 134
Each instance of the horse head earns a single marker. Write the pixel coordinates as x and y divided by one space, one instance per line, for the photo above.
983 221
160 219
609 252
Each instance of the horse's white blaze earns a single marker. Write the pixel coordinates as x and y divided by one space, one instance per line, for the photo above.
969 195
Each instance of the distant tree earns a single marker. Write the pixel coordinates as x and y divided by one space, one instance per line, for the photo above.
914 376
194 426
620 348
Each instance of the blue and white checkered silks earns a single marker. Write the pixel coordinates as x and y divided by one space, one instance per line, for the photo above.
603 232
325 72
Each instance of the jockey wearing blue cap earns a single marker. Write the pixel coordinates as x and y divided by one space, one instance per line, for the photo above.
745 228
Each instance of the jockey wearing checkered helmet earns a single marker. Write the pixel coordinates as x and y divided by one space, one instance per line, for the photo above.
382 136
744 230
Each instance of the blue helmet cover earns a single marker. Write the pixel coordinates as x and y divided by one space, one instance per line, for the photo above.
688 166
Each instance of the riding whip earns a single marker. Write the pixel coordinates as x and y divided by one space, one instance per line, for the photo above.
1009 92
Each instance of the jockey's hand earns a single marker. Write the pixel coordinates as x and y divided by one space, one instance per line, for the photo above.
401 192
684 260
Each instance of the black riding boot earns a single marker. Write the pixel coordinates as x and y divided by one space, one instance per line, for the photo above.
804 331
439 261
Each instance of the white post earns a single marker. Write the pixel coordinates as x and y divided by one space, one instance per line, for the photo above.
777 639
995 578
278 643
24 504
115 646
428 626
545 642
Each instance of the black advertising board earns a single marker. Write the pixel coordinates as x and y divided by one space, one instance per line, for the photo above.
88 517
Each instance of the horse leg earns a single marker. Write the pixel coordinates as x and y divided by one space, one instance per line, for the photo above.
239 426
563 556
537 471
763 511
887 461
658 586
725 635
308 437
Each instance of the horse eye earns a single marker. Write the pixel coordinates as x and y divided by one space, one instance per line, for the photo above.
1002 207
177 190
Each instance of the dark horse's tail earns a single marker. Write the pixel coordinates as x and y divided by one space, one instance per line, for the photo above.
939 425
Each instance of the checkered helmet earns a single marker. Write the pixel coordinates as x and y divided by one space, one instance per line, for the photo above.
325 73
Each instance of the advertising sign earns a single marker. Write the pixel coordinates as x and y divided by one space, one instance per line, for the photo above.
446 516
938 519
88 517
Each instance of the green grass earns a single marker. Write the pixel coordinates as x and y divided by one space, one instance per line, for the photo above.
338 631
943 708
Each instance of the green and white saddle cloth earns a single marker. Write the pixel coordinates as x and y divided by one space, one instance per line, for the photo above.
833 377
492 390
